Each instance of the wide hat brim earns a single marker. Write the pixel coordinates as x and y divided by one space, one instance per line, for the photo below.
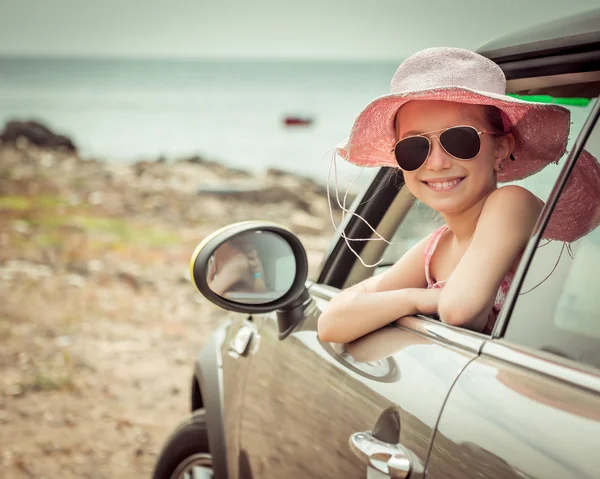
541 133
576 213
541 130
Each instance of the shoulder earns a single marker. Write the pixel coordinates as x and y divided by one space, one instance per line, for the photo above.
511 210
513 196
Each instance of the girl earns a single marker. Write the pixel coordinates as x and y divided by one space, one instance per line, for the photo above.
448 125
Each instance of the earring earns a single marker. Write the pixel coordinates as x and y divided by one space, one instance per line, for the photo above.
500 166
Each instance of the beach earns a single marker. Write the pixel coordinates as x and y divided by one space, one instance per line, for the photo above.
99 321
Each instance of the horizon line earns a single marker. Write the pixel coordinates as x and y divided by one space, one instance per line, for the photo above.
103 57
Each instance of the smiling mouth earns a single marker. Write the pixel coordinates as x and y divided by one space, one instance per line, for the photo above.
443 185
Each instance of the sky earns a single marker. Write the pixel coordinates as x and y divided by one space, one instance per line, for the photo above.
264 29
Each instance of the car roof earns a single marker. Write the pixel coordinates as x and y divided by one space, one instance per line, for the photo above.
568 35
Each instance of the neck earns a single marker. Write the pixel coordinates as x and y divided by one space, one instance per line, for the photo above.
463 223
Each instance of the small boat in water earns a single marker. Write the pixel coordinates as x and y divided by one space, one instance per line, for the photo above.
297 121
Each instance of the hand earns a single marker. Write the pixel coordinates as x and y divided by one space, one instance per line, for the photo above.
420 301
427 300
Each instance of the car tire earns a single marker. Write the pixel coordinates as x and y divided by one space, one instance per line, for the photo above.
186 449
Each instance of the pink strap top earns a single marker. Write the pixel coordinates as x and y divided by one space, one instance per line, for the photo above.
431 284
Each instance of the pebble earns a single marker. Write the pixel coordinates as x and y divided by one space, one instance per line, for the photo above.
76 280
63 341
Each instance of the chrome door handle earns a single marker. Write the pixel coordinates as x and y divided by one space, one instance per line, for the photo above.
239 344
391 459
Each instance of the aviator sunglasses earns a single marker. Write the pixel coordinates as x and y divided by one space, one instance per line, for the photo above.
460 142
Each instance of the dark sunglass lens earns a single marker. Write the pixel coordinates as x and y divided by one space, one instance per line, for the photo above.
461 142
412 152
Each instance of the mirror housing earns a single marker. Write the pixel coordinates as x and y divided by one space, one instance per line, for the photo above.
289 306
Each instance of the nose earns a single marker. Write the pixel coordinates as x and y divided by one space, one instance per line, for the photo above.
438 158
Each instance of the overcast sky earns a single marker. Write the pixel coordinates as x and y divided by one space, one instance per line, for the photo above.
340 29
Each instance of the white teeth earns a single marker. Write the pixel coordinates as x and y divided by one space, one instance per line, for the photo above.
445 184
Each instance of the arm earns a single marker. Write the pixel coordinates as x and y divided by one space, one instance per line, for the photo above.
380 300
231 273
502 232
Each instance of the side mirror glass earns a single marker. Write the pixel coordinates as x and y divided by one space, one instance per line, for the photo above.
253 267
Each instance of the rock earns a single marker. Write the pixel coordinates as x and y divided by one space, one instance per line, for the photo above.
63 341
36 134
303 223
217 168
95 266
196 160
76 280
233 190
14 268
294 181
14 390
22 227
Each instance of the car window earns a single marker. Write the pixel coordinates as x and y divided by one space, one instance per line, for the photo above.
558 307
422 220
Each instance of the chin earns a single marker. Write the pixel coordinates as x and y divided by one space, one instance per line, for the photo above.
447 207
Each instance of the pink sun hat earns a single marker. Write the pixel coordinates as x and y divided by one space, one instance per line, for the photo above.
541 131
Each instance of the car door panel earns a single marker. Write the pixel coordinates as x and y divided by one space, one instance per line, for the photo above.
427 366
275 440
305 398
236 364
506 420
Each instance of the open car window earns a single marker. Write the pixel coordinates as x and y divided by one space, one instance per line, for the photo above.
422 220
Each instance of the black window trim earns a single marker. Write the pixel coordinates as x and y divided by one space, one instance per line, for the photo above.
513 294
565 45
372 205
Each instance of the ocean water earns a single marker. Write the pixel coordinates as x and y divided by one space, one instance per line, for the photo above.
126 110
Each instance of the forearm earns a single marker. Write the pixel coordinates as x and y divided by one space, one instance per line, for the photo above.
222 282
353 314
231 273
469 313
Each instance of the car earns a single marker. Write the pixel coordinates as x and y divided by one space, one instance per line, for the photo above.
418 398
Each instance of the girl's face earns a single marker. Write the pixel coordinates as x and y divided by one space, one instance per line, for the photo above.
444 183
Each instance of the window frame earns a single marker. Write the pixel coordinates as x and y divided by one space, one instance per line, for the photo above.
372 203
506 313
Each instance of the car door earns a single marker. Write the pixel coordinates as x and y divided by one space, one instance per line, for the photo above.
305 399
529 406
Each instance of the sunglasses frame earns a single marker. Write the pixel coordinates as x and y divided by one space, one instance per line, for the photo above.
442 131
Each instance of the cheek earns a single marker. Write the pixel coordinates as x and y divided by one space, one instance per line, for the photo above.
415 186
411 180
487 155
483 163
482 175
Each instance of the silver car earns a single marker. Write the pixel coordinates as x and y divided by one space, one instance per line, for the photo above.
418 398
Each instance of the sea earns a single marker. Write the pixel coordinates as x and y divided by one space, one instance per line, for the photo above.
125 110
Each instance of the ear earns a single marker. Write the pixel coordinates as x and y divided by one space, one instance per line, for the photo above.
504 148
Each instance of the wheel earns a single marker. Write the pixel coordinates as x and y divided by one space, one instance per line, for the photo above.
186 455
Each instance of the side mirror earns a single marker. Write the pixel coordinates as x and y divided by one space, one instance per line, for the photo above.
253 267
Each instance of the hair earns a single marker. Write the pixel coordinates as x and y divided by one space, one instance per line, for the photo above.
495 118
